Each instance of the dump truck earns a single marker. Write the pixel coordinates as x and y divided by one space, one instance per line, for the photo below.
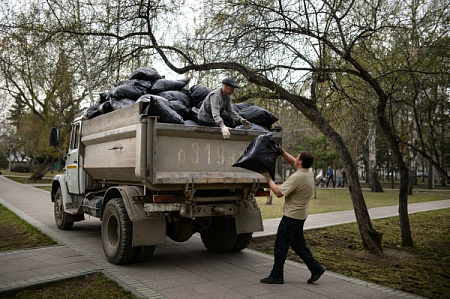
146 180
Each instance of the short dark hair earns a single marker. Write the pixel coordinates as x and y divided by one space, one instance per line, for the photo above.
307 159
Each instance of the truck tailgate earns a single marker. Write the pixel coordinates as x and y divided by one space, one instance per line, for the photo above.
199 154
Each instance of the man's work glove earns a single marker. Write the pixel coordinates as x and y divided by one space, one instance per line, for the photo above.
246 123
280 149
266 175
225 132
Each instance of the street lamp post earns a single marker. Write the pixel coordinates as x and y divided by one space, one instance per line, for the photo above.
11 143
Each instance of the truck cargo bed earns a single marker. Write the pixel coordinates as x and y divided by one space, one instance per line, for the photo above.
125 147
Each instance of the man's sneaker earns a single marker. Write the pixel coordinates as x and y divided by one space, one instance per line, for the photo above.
315 275
272 280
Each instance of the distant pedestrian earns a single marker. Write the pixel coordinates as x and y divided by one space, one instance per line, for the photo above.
340 182
330 175
344 177
297 190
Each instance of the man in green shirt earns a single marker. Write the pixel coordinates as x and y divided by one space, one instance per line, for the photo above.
297 190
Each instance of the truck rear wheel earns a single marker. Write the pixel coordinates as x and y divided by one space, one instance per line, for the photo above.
221 237
117 231
143 253
242 242
61 216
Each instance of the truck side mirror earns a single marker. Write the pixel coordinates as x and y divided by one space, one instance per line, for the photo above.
54 136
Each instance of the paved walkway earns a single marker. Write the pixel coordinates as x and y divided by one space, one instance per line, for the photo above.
177 270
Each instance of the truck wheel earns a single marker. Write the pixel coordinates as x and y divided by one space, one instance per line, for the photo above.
242 242
143 253
117 231
221 238
60 215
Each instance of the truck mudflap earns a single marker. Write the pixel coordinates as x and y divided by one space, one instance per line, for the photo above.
148 228
248 218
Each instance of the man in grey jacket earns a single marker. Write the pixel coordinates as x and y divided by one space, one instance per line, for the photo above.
215 103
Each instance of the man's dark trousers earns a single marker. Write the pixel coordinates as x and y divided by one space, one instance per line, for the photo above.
290 233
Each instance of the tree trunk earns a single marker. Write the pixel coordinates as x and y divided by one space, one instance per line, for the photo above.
430 177
366 173
41 169
403 207
372 240
443 157
374 183
404 179
412 181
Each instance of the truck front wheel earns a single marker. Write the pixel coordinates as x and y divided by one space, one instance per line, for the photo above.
117 233
61 216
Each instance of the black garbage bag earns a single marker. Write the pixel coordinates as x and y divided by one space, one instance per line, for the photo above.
193 112
105 107
92 111
227 120
166 84
104 96
260 155
145 73
198 93
141 83
255 127
121 103
258 115
240 106
180 108
189 122
176 95
129 92
147 97
144 98
157 107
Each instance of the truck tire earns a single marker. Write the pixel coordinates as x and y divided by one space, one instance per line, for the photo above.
143 253
117 231
242 242
221 238
61 216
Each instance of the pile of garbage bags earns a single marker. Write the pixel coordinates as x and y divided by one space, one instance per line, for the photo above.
172 101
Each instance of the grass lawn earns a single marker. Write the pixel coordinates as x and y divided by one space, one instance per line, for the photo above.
333 200
92 286
16 233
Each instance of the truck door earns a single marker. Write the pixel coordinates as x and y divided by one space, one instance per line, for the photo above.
74 170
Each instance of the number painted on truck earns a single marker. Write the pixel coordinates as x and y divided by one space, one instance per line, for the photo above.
218 155
195 148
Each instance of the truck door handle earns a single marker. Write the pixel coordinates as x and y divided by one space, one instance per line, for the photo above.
115 148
